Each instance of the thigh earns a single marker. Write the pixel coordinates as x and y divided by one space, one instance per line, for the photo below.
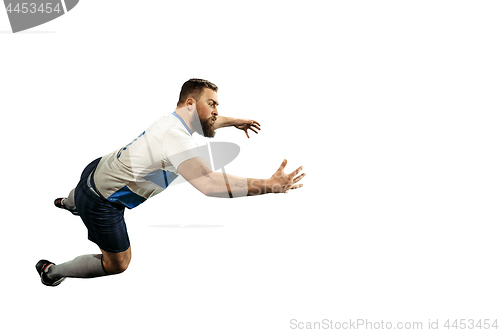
104 221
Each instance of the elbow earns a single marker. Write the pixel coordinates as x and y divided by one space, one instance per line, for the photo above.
215 192
214 186
207 190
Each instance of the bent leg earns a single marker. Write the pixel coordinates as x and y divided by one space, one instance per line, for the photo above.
92 265
106 227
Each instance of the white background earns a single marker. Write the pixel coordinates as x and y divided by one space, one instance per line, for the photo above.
391 106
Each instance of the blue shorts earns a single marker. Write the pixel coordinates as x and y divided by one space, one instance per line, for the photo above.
103 219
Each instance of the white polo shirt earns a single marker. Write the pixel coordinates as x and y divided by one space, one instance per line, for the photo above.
147 165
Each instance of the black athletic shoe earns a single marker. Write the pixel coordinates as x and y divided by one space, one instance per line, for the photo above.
42 268
59 204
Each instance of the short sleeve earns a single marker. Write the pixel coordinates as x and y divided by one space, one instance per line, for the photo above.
179 146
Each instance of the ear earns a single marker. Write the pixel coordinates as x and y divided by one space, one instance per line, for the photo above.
191 103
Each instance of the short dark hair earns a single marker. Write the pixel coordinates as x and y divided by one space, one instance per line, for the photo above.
193 88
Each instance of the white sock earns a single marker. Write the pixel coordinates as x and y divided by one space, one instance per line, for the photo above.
86 266
69 202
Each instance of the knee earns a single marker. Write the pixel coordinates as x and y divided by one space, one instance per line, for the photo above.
119 267
116 266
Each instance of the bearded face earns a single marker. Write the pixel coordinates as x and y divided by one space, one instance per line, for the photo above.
207 125
206 106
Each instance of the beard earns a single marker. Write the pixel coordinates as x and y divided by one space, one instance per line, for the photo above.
208 128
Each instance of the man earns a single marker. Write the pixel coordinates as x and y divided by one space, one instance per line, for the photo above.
145 167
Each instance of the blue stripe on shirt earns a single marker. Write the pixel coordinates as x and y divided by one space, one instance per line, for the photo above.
126 197
183 123
161 178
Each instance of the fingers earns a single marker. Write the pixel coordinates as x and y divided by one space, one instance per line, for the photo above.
295 180
283 165
255 130
256 125
289 181
251 126
293 174
299 178
293 187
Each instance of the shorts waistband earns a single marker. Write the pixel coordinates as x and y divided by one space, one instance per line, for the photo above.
94 190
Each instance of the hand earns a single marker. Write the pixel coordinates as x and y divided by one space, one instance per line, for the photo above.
281 182
246 124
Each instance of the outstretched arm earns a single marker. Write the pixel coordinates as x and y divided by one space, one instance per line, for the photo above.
242 124
216 184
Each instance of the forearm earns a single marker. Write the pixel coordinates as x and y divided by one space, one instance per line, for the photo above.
228 186
224 122
258 186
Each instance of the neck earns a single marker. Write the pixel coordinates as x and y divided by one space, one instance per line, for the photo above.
190 117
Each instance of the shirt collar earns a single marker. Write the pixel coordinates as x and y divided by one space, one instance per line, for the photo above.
183 123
